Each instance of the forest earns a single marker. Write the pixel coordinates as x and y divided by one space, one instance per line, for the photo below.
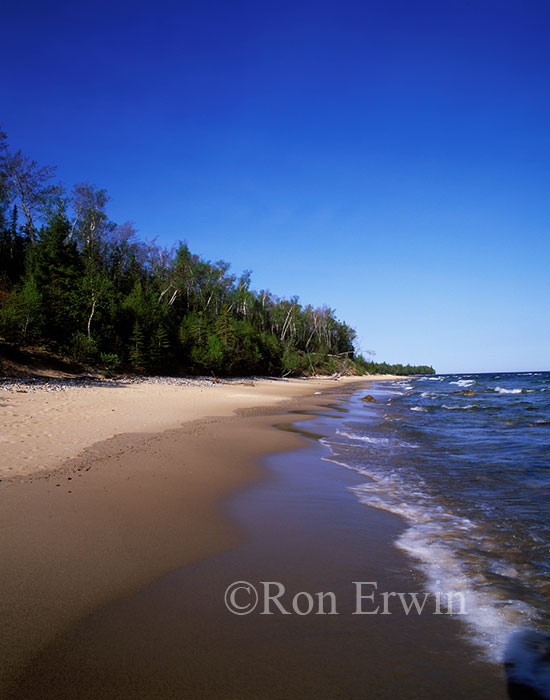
76 283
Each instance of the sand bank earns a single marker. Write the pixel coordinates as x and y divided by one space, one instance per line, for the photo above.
119 513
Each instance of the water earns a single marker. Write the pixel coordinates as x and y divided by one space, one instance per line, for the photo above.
465 461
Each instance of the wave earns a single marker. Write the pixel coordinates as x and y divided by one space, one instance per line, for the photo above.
400 387
527 661
490 621
340 464
458 408
460 548
363 438
435 538
464 382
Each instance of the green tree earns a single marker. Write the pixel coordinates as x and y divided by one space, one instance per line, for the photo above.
21 316
159 349
55 265
137 355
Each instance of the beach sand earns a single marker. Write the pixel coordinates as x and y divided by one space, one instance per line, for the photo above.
144 492
124 485
40 429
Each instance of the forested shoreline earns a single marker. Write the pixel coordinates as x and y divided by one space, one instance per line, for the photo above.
76 283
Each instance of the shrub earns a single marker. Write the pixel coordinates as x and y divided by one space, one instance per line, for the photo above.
83 349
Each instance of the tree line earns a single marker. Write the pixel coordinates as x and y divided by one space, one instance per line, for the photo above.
73 281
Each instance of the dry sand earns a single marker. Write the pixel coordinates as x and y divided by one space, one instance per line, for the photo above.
40 429
105 489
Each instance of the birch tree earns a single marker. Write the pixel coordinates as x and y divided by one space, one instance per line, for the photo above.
27 184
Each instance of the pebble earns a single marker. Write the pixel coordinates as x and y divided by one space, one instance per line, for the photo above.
24 385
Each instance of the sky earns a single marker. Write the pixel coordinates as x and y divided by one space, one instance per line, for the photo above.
389 159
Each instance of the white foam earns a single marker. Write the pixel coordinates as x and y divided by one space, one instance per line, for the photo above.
464 382
332 443
363 438
419 408
340 464
430 539
491 624
458 408
500 390
433 537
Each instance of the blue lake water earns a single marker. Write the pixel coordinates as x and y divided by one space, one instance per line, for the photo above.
465 461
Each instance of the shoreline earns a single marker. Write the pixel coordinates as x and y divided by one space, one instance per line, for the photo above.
42 428
124 511
297 522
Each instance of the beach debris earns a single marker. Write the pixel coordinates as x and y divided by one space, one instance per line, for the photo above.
369 398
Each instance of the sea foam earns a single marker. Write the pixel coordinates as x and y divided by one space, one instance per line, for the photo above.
363 438
464 382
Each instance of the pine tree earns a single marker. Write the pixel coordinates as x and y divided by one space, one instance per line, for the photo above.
224 328
159 349
55 265
137 348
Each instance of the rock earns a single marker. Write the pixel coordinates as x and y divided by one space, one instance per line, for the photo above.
467 392
368 398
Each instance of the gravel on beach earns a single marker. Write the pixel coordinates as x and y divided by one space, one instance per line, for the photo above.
26 384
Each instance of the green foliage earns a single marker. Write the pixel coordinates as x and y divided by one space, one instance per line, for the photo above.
82 349
291 362
159 349
56 267
21 314
137 356
110 361
212 357
365 367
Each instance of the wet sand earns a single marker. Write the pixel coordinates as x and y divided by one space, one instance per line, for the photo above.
124 511
298 525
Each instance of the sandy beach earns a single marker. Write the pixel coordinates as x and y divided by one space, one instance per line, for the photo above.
105 489
118 542
41 429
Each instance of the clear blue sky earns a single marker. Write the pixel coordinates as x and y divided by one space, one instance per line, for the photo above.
390 159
